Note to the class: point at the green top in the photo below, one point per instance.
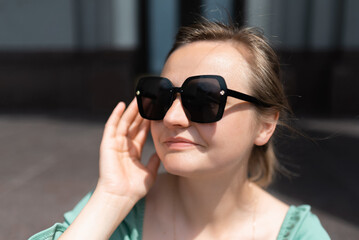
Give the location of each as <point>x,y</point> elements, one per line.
<point>299,223</point>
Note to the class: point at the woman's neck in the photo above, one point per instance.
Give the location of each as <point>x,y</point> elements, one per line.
<point>213,202</point>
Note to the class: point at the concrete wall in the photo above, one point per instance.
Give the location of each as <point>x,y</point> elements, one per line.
<point>36,24</point>
<point>307,24</point>
<point>68,24</point>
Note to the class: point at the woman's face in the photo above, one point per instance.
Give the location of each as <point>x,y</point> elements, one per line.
<point>193,149</point>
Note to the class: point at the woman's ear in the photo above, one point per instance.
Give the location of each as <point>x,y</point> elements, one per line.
<point>266,129</point>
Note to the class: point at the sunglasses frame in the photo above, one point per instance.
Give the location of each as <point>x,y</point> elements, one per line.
<point>224,93</point>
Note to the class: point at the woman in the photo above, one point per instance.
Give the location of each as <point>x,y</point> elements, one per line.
<point>212,114</point>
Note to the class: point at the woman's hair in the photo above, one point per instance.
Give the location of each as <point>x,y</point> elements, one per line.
<point>264,80</point>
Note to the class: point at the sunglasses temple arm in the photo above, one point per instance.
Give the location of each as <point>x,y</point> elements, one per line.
<point>246,97</point>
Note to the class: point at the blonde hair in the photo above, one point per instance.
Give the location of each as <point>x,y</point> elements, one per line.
<point>265,83</point>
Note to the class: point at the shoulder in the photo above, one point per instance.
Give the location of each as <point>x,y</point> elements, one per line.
<point>301,223</point>
<point>271,213</point>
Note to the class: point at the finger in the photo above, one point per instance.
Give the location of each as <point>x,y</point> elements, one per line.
<point>113,120</point>
<point>153,164</point>
<point>140,139</point>
<point>142,132</point>
<point>135,126</point>
<point>127,118</point>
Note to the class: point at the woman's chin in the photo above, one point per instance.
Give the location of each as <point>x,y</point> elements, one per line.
<point>188,170</point>
<point>179,168</point>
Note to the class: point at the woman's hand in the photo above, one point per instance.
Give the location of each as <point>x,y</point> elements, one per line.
<point>123,178</point>
<point>121,172</point>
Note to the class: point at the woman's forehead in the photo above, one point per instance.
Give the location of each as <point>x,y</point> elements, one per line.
<point>208,57</point>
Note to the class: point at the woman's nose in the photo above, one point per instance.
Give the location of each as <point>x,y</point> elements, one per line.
<point>175,116</point>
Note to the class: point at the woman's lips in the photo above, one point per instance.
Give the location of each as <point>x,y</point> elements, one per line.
<point>179,143</point>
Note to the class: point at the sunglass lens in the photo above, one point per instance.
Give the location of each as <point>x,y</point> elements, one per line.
<point>153,97</point>
<point>201,99</point>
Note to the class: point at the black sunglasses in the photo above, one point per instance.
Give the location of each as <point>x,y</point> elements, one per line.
<point>203,97</point>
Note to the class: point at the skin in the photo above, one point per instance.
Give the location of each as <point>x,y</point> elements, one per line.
<point>206,193</point>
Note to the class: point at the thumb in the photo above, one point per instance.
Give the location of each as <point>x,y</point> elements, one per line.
<point>153,164</point>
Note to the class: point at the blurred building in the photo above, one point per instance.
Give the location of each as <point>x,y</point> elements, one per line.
<point>84,55</point>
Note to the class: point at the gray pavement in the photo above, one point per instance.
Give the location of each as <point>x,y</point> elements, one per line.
<point>47,164</point>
